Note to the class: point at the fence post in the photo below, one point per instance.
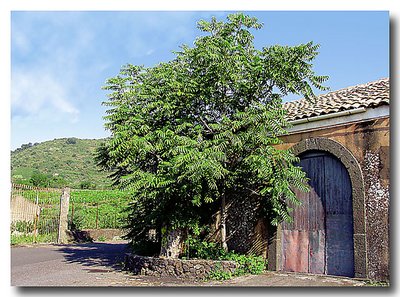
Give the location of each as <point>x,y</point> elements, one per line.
<point>97,215</point>
<point>63,222</point>
<point>36,220</point>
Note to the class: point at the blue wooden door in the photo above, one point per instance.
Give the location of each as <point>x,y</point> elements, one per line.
<point>320,238</point>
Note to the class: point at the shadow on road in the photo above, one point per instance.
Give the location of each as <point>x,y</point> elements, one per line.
<point>110,255</point>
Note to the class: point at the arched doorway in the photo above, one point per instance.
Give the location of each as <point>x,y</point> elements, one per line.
<point>320,238</point>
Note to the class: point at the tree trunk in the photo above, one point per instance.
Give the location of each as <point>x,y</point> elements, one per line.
<point>171,242</point>
<point>223,223</point>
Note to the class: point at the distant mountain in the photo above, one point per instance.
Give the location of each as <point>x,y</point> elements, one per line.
<point>59,162</point>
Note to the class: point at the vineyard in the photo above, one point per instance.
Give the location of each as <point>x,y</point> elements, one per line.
<point>92,209</point>
<point>35,212</point>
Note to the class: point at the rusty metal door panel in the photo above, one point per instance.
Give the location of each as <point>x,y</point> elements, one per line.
<point>299,214</point>
<point>317,252</point>
<point>295,250</point>
<point>304,240</point>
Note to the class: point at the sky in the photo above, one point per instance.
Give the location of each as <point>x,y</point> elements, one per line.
<point>60,60</point>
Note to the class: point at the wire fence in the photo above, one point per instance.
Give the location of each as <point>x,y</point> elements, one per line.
<point>35,214</point>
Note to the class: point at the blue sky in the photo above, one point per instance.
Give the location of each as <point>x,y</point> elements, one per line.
<point>60,60</point>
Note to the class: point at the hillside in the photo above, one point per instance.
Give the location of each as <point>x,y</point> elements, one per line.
<point>64,161</point>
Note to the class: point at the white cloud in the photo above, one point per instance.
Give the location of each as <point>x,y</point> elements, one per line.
<point>47,70</point>
<point>34,92</point>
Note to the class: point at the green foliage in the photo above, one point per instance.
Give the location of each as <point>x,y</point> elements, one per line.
<point>30,238</point>
<point>88,209</point>
<point>61,162</point>
<point>22,226</point>
<point>218,274</point>
<point>48,225</point>
<point>202,249</point>
<point>101,238</point>
<point>247,264</point>
<point>85,185</point>
<point>40,180</point>
<point>205,125</point>
<point>71,140</point>
<point>91,209</point>
<point>372,283</point>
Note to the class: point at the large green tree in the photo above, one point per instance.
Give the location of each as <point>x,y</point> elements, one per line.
<point>188,134</point>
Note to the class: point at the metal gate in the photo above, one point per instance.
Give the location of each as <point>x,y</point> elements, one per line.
<point>320,238</point>
<point>35,214</point>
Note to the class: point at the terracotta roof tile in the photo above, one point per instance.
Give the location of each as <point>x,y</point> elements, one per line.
<point>372,94</point>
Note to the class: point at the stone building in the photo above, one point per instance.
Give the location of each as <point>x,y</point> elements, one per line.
<point>342,226</point>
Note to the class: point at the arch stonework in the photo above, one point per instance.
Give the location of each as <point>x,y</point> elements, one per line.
<point>354,169</point>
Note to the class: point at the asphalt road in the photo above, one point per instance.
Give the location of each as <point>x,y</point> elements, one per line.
<point>79,265</point>
<point>92,264</point>
<point>100,265</point>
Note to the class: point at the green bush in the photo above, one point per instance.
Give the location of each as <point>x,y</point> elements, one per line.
<point>218,274</point>
<point>246,264</point>
<point>85,185</point>
<point>203,249</point>
<point>101,238</point>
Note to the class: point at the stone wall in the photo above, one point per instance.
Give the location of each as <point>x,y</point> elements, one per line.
<point>164,267</point>
<point>106,234</point>
<point>94,234</point>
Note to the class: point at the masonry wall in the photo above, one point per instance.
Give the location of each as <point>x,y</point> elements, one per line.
<point>369,143</point>
<point>164,267</point>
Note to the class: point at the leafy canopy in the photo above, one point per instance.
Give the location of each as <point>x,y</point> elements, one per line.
<point>203,125</point>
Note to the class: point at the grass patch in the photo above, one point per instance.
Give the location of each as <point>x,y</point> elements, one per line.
<point>372,283</point>
<point>30,238</point>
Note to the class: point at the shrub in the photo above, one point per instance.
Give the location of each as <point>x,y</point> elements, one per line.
<point>203,249</point>
<point>39,179</point>
<point>85,185</point>
<point>101,238</point>
<point>71,140</point>
<point>219,274</point>
<point>246,264</point>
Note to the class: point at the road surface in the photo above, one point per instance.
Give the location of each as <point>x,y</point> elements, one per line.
<point>100,265</point>
<point>91,264</point>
